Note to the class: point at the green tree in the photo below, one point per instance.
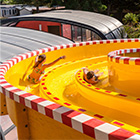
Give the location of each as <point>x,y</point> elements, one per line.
<point>119,6</point>
<point>87,5</point>
<point>130,19</point>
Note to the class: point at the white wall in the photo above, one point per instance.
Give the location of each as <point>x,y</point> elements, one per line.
<point>25,12</point>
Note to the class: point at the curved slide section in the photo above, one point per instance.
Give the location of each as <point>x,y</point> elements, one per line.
<point>114,109</point>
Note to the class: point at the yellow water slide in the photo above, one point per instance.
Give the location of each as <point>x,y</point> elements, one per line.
<point>114,101</point>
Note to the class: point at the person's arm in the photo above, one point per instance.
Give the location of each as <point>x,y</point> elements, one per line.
<point>36,58</point>
<point>55,61</point>
<point>85,71</point>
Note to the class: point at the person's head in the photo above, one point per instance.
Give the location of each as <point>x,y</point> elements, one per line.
<point>90,74</point>
<point>41,58</point>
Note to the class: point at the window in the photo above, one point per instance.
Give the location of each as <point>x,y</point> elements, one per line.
<point>86,35</point>
<point>109,36</point>
<point>4,12</point>
<point>9,12</point>
<point>13,11</point>
<point>95,36</point>
<point>66,29</point>
<point>76,33</point>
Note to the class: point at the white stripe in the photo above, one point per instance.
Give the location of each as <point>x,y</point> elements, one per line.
<point>78,120</point>
<point>11,88</point>
<point>39,50</point>
<point>17,94</point>
<point>70,45</point>
<point>3,65</point>
<point>2,73</point>
<point>90,42</point>
<point>134,50</point>
<point>11,63</point>
<point>41,106</point>
<point>5,84</point>
<point>102,131</point>
<point>77,44</point>
<point>128,50</point>
<point>29,99</point>
<point>132,61</point>
<point>15,61</point>
<point>134,137</point>
<point>57,113</point>
<point>64,46</point>
<point>29,54</point>
<point>2,80</point>
<point>97,42</point>
<point>19,58</point>
<point>84,43</point>
<point>2,69</point>
<point>24,56</point>
<point>46,49</point>
<point>52,48</point>
<point>58,47</point>
<point>7,93</point>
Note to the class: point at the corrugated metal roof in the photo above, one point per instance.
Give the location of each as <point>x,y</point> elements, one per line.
<point>16,41</point>
<point>101,22</point>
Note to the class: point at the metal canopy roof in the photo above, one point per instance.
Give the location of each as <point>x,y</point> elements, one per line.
<point>16,41</point>
<point>101,22</point>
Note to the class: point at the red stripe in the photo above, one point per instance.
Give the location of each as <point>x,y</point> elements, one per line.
<point>17,60</point>
<point>108,41</point>
<point>11,93</point>
<point>49,49</point>
<point>87,43</point>
<point>115,41</point>
<point>55,48</point>
<point>3,82</point>
<point>67,46</point>
<point>13,62</point>
<point>99,116</point>
<point>126,61</point>
<point>8,86</point>
<point>121,40</point>
<point>32,54</point>
<point>88,126</point>
<point>94,42</point>
<point>74,45</point>
<point>43,51</point>
<point>117,59</point>
<point>118,123</point>
<point>137,61</point>
<point>21,57</point>
<point>101,42</point>
<point>61,47</point>
<point>35,101</point>
<point>22,97</point>
<point>129,40</point>
<point>66,117</point>
<point>120,134</point>
<point>80,44</point>
<point>50,108</point>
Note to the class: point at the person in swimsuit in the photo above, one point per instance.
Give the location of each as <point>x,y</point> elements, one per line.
<point>91,76</point>
<point>39,67</point>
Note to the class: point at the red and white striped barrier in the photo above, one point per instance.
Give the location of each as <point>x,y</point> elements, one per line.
<point>88,125</point>
<point>114,56</point>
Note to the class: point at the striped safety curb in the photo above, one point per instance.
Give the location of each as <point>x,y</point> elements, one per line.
<point>88,125</point>
<point>114,56</point>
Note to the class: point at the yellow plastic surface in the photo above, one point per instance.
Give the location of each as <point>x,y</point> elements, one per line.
<point>61,85</point>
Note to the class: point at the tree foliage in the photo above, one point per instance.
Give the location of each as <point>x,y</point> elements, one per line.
<point>87,5</point>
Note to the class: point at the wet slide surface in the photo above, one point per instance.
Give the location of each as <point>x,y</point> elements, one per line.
<point>60,84</point>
